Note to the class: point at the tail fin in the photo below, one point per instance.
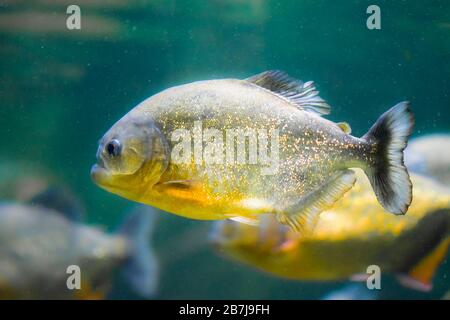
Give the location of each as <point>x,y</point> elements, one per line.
<point>141,269</point>
<point>387,172</point>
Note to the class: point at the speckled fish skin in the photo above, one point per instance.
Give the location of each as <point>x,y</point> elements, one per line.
<point>349,237</point>
<point>312,151</point>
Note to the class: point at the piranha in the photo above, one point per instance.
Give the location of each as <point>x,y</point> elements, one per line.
<point>235,149</point>
<point>353,235</point>
<point>38,244</point>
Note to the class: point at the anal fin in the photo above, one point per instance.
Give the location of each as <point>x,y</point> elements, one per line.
<point>183,190</point>
<point>303,215</point>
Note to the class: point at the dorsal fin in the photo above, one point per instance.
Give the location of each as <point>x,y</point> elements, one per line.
<point>303,95</point>
<point>61,200</point>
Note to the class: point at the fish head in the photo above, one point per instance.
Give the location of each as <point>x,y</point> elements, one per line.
<point>131,158</point>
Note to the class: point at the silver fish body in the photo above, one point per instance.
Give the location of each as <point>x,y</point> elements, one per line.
<point>305,156</point>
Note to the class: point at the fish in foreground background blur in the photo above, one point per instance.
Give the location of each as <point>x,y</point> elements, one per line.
<point>136,157</point>
<point>353,235</point>
<point>38,243</point>
<point>430,155</point>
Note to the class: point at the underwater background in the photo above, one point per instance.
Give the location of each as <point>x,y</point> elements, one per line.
<point>61,89</point>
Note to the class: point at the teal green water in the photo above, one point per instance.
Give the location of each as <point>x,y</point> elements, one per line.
<point>60,90</point>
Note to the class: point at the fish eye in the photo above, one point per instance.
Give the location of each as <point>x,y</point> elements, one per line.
<point>113,148</point>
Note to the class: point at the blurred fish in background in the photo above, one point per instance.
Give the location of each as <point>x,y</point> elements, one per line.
<point>426,226</point>
<point>39,240</point>
<point>353,235</point>
<point>430,155</point>
<point>352,291</point>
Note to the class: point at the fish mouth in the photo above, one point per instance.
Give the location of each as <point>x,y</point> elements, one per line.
<point>99,174</point>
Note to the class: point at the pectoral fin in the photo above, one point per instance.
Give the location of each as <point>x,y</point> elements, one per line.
<point>178,184</point>
<point>182,189</point>
<point>303,215</point>
<point>420,277</point>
